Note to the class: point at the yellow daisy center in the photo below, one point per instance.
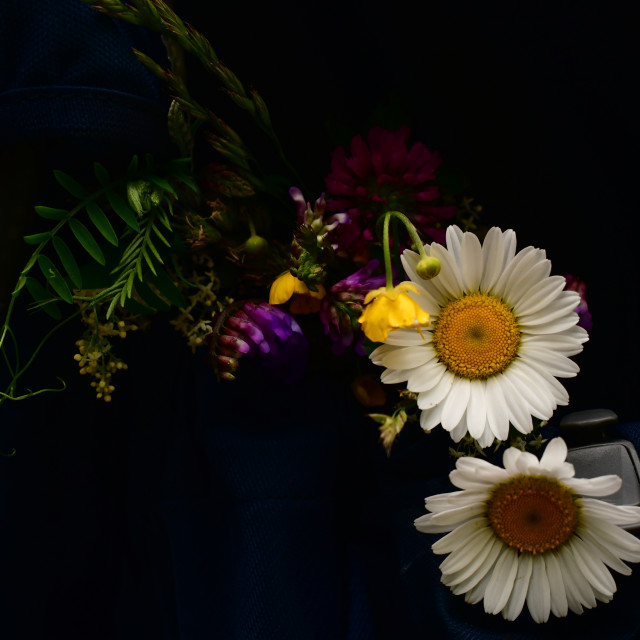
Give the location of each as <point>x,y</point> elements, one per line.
<point>533,513</point>
<point>476,336</point>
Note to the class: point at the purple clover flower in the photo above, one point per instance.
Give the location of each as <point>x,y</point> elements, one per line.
<point>262,333</point>
<point>343,305</point>
<point>575,284</point>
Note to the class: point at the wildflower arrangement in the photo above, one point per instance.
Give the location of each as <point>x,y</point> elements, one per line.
<point>380,267</point>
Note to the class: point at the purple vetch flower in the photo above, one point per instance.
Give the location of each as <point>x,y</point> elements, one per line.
<point>262,333</point>
<point>315,218</point>
<point>575,284</point>
<point>343,305</point>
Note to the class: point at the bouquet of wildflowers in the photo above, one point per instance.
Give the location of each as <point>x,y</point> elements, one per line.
<point>379,267</point>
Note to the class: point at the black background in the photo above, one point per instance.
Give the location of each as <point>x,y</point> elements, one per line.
<point>534,103</point>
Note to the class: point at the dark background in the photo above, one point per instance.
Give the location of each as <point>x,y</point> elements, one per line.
<point>534,103</point>
<point>162,502</point>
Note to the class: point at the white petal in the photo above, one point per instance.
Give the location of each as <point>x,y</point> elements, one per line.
<point>558,592</point>
<point>430,418</point>
<point>616,514</point>
<point>604,552</point>
<point>557,325</point>
<point>454,237</point>
<point>471,267</point>
<point>494,258</point>
<point>497,414</point>
<point>404,357</point>
<point>565,305</point>
<point>458,536</point>
<point>539,594</point>
<point>502,580</point>
<point>519,416</point>
<point>465,560</point>
<point>449,279</point>
<point>592,568</point>
<point>520,263</point>
<point>539,296</point>
<point>568,342</point>
<point>432,397</point>
<point>455,404</point>
<point>575,580</point>
<point>410,260</point>
<point>554,363</point>
<point>520,587</point>
<point>424,525</point>
<point>532,389</point>
<point>554,455</point>
<point>520,285</point>
<point>600,486</point>
<point>426,376</point>
<point>477,408</point>
<point>406,338</point>
<point>459,514</point>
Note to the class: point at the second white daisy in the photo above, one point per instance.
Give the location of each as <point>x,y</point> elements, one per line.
<point>523,533</point>
<point>502,331</point>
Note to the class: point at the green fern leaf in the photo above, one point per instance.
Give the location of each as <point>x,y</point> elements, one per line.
<point>50,213</point>
<point>37,238</point>
<point>68,261</point>
<point>148,260</point>
<point>84,237</point>
<point>43,298</point>
<point>101,222</point>
<point>102,174</point>
<point>70,184</point>
<point>55,279</point>
<point>120,206</point>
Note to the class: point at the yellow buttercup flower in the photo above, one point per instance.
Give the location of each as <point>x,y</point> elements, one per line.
<point>390,309</point>
<point>284,286</point>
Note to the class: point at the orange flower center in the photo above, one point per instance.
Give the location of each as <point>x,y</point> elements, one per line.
<point>476,336</point>
<point>533,513</point>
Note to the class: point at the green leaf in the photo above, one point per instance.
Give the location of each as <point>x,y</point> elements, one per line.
<point>167,287</point>
<point>55,279</point>
<point>85,238</point>
<point>101,222</point>
<point>120,206</point>
<point>163,184</point>
<point>149,261</point>
<point>102,174</point>
<point>37,238</point>
<point>70,184</point>
<point>68,261</point>
<point>40,295</point>
<point>50,213</point>
<point>22,280</point>
<point>164,240</point>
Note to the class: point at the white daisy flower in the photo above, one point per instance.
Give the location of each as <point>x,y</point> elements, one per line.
<point>522,533</point>
<point>502,330</point>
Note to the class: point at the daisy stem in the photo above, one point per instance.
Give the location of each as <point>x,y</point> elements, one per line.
<point>413,234</point>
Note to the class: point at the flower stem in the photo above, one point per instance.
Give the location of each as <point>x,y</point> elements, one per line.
<point>413,234</point>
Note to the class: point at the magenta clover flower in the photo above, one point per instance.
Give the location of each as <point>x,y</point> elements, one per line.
<point>380,175</point>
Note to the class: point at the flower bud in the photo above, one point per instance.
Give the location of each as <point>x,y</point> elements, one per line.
<point>256,245</point>
<point>428,268</point>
